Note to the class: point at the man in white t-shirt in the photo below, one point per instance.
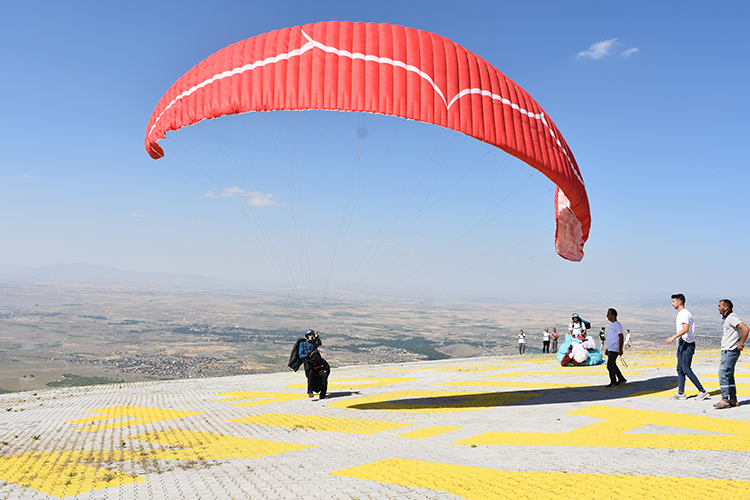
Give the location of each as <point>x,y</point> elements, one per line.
<point>685,349</point>
<point>614,349</point>
<point>545,341</point>
<point>732,342</point>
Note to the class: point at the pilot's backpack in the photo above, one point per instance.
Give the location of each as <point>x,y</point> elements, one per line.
<point>294,360</point>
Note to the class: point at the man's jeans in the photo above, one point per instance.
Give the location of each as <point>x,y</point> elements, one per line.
<point>615,375</point>
<point>726,374</point>
<point>685,352</point>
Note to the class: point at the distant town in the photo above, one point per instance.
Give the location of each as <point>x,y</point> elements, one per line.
<point>56,335</point>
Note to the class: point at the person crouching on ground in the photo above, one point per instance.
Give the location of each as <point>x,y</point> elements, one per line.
<point>732,343</point>
<point>615,341</point>
<point>316,368</point>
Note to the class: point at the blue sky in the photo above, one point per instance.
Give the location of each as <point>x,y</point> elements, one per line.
<point>650,96</point>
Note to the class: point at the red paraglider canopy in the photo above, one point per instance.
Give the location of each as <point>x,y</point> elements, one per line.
<point>386,69</point>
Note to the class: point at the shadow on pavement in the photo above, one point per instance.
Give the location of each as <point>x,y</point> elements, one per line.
<point>341,394</point>
<point>596,393</point>
<point>527,397</point>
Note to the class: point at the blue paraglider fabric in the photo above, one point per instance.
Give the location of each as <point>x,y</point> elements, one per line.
<point>596,357</point>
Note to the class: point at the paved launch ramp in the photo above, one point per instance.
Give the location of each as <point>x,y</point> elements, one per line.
<point>482,428</point>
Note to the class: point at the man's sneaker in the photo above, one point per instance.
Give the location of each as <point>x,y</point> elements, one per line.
<point>310,395</point>
<point>679,396</point>
<point>702,395</point>
<point>622,382</point>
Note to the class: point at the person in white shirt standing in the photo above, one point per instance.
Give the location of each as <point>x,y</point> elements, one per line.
<point>685,349</point>
<point>614,349</point>
<point>545,341</point>
<point>732,343</point>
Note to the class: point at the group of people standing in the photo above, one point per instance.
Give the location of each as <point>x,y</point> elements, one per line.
<point>547,339</point>
<point>734,336</point>
<point>615,340</point>
<point>576,328</point>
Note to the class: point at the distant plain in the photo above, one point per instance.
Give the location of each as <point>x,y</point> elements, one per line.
<point>57,334</point>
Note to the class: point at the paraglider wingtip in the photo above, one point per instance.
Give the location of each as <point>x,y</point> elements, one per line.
<point>155,151</point>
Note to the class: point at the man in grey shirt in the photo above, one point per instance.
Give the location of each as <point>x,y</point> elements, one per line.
<point>732,343</point>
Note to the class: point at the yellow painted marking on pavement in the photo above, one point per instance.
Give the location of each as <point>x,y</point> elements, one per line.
<point>612,432</point>
<point>327,424</point>
<point>435,430</point>
<point>351,383</point>
<point>60,473</point>
<point>264,397</point>
<point>570,371</point>
<point>432,401</point>
<point>513,385</point>
<point>665,364</point>
<point>712,390</point>
<point>662,361</point>
<point>136,415</point>
<point>480,483</point>
<point>671,357</point>
<point>576,370</point>
<point>65,473</point>
<point>194,445</point>
<point>469,368</point>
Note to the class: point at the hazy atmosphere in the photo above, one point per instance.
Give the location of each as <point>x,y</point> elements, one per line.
<point>649,96</point>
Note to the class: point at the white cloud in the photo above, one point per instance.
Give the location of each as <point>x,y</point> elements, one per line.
<point>140,216</point>
<point>254,198</point>
<point>599,50</point>
<point>262,200</point>
<point>227,193</point>
<point>630,52</point>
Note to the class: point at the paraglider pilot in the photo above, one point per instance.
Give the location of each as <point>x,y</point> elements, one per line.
<point>316,368</point>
